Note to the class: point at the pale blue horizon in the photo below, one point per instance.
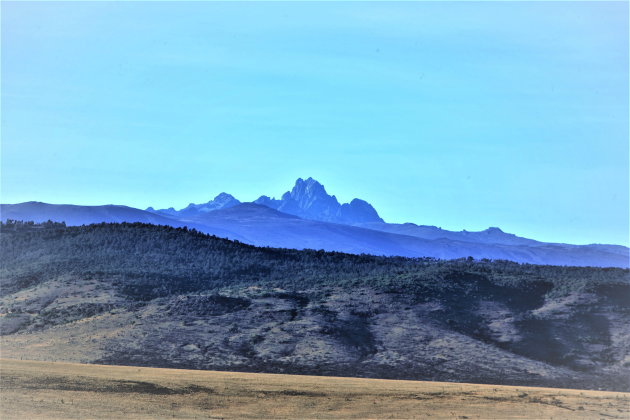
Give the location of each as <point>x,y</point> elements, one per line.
<point>460,115</point>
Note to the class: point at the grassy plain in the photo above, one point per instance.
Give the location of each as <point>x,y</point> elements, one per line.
<point>53,390</point>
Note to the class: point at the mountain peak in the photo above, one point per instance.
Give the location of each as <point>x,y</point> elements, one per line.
<point>310,187</point>
<point>222,197</point>
<point>308,199</point>
<point>221,201</point>
<point>494,230</point>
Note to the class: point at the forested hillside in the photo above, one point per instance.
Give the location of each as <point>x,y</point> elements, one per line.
<point>155,295</point>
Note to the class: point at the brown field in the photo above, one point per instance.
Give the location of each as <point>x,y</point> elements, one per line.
<point>38,390</point>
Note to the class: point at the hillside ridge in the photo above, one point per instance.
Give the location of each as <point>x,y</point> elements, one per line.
<point>146,295</point>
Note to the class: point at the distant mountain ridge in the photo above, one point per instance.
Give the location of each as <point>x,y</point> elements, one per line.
<point>221,201</point>
<point>74,215</point>
<point>308,217</point>
<point>308,199</point>
<point>492,235</point>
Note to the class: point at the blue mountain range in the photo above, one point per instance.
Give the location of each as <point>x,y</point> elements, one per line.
<point>308,217</point>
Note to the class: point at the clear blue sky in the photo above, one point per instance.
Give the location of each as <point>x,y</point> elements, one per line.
<point>460,115</point>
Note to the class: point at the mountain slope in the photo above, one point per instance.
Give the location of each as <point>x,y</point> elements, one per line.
<point>491,235</point>
<point>79,215</point>
<point>263,226</point>
<point>84,215</point>
<point>221,201</point>
<point>157,296</point>
<point>309,200</point>
<point>496,236</point>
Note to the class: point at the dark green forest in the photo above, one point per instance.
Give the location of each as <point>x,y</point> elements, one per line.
<point>147,261</point>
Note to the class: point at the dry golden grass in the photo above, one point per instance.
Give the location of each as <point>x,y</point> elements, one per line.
<point>38,390</point>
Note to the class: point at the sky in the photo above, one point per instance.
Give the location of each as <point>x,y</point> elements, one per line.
<point>459,115</point>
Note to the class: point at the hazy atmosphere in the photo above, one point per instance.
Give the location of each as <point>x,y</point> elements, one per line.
<point>462,116</point>
<point>315,210</point>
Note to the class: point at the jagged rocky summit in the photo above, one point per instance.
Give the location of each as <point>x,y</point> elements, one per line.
<point>309,200</point>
